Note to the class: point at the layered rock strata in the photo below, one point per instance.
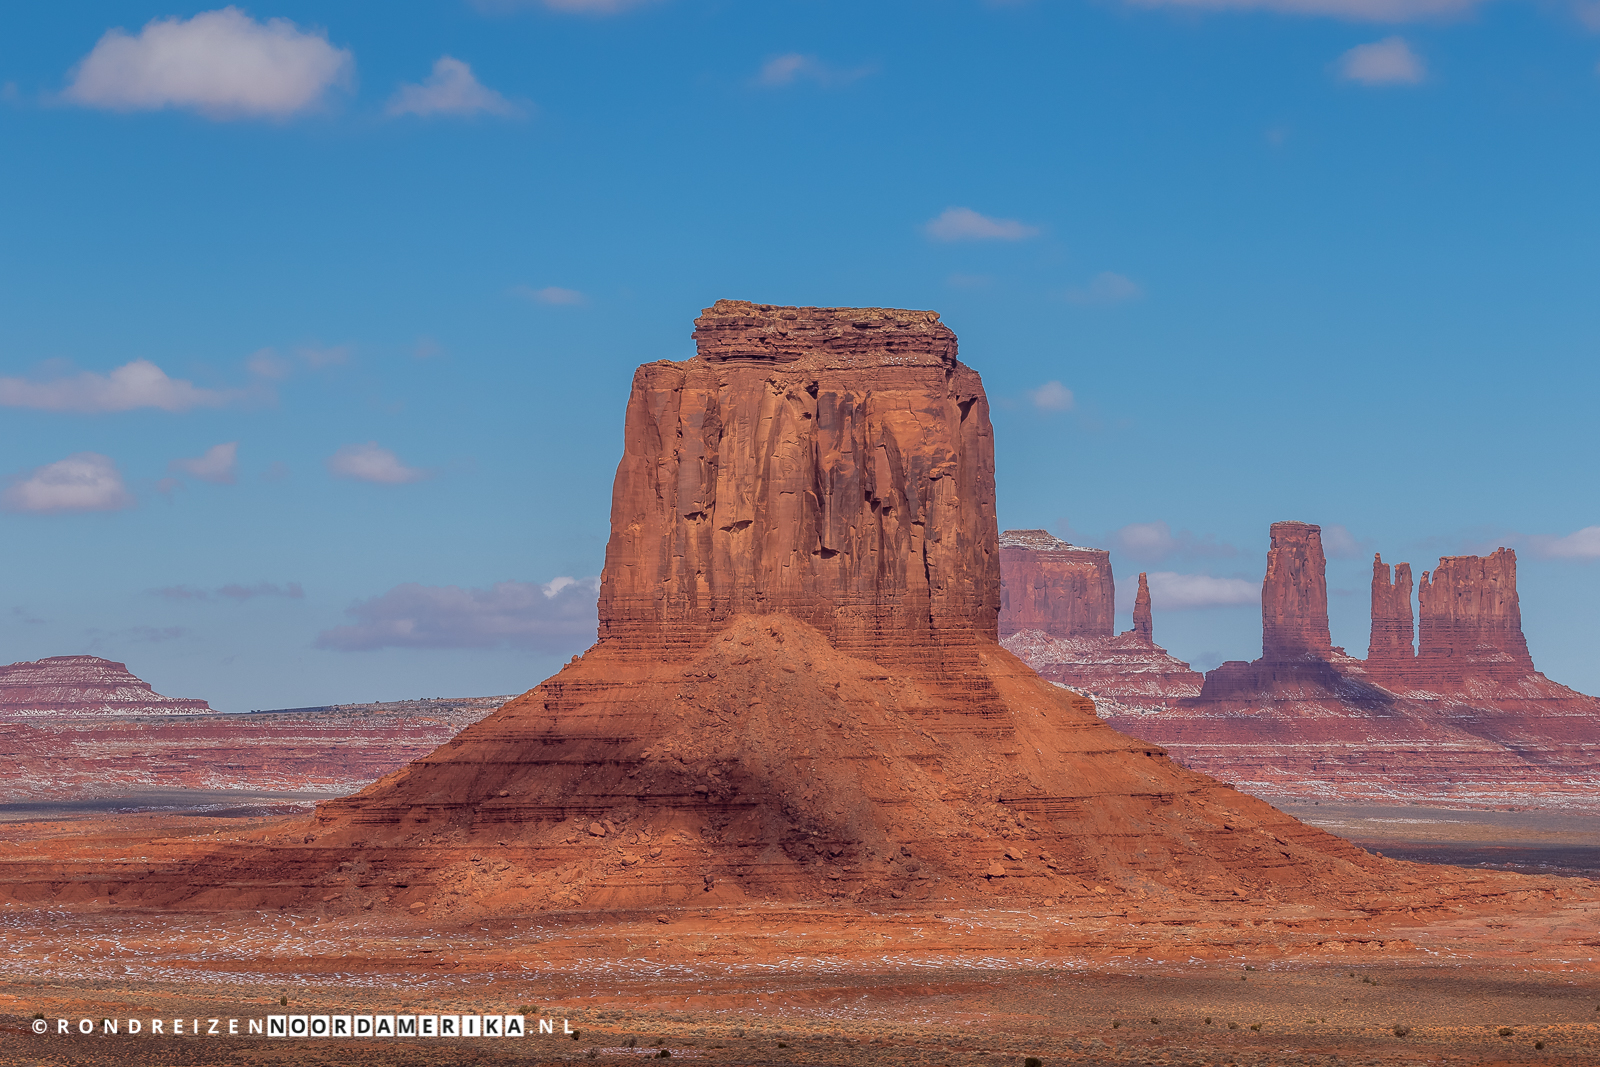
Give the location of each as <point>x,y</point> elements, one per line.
<point>83,685</point>
<point>1294,595</point>
<point>1393,643</point>
<point>797,690</point>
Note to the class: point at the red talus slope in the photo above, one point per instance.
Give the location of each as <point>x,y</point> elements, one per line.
<point>83,685</point>
<point>797,691</point>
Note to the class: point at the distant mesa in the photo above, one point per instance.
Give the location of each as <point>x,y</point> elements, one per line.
<point>1058,607</point>
<point>797,690</point>
<point>83,685</point>
<point>1460,716</point>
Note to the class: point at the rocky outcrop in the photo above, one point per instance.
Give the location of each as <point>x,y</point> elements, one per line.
<point>1294,595</point>
<point>1054,587</point>
<point>1392,648</point>
<point>1057,614</point>
<point>83,685</point>
<point>835,465</point>
<point>796,692</point>
<point>1471,621</point>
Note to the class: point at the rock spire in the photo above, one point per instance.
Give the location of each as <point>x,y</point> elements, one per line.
<point>1391,647</point>
<point>1471,621</point>
<point>1054,587</point>
<point>1294,594</point>
<point>1143,625</point>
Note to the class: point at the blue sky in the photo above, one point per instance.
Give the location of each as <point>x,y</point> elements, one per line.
<point>317,320</point>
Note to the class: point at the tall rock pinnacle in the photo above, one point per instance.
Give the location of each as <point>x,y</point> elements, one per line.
<point>1055,588</point>
<point>1143,625</point>
<point>1391,647</point>
<point>1294,595</point>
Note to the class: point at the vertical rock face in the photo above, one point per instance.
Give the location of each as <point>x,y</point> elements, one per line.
<point>1391,647</point>
<point>1143,624</point>
<point>1471,621</point>
<point>1055,588</point>
<point>1294,595</point>
<point>84,685</point>
<point>831,464</point>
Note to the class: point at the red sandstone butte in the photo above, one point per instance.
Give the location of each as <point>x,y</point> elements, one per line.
<point>83,685</point>
<point>1466,719</point>
<point>1054,587</point>
<point>1057,614</point>
<point>796,692</point>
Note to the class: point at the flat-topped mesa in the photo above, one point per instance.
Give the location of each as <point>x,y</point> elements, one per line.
<point>1471,622</point>
<point>1054,587</point>
<point>1143,624</point>
<point>84,685</point>
<point>831,464</point>
<point>1294,595</point>
<point>1391,652</point>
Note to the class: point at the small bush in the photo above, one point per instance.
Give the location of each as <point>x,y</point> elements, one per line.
<point>284,1000</point>
<point>1539,1045</point>
<point>664,1054</point>
<point>1401,1030</point>
<point>575,1034</point>
<point>1208,1020</point>
<point>1233,1026</point>
<point>1504,1031</point>
<point>1116,1024</point>
<point>1256,1027</point>
<point>1033,1061</point>
<point>1153,1019</point>
<point>783,1044</point>
<point>527,1009</point>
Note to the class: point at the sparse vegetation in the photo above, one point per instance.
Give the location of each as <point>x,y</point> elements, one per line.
<point>575,1034</point>
<point>1032,1061</point>
<point>1233,1026</point>
<point>284,1000</point>
<point>1504,1031</point>
<point>1256,1027</point>
<point>1401,1030</point>
<point>1116,1024</point>
<point>527,1009</point>
<point>1208,1020</point>
<point>1539,1045</point>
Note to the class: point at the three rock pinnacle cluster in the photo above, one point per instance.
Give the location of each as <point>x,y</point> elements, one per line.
<point>1462,715</point>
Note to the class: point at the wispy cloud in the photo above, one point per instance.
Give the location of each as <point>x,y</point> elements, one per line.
<point>140,384</point>
<point>1153,542</point>
<point>223,64</point>
<point>793,67</point>
<point>1581,544</point>
<point>370,463</point>
<point>1339,543</point>
<point>553,616</point>
<point>86,481</point>
<point>1349,10</point>
<point>965,224</point>
<point>1387,62</point>
<point>1107,287</point>
<point>1052,396</point>
<point>1170,591</point>
<point>452,89</point>
<point>550,294</point>
<point>217,464</point>
<point>570,7</point>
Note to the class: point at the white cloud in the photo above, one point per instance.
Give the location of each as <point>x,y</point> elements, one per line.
<point>795,66</point>
<point>550,294</point>
<point>1107,287</point>
<point>369,463</point>
<point>450,90</point>
<point>1350,10</point>
<point>1170,591</point>
<point>265,363</point>
<point>140,384</point>
<point>1339,543</point>
<point>1152,542</point>
<point>1583,544</point>
<point>560,615</point>
<point>964,224</point>
<point>320,356</point>
<point>1052,396</point>
<point>1387,62</point>
<point>217,464</point>
<point>223,64</point>
<point>86,481</point>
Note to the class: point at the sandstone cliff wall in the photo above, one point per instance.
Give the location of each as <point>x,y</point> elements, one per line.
<point>1054,587</point>
<point>830,464</point>
<point>1471,621</point>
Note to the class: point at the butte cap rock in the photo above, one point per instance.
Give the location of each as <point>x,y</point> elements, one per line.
<point>83,685</point>
<point>797,691</point>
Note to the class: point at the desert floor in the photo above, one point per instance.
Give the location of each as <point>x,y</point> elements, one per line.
<point>1128,983</point>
